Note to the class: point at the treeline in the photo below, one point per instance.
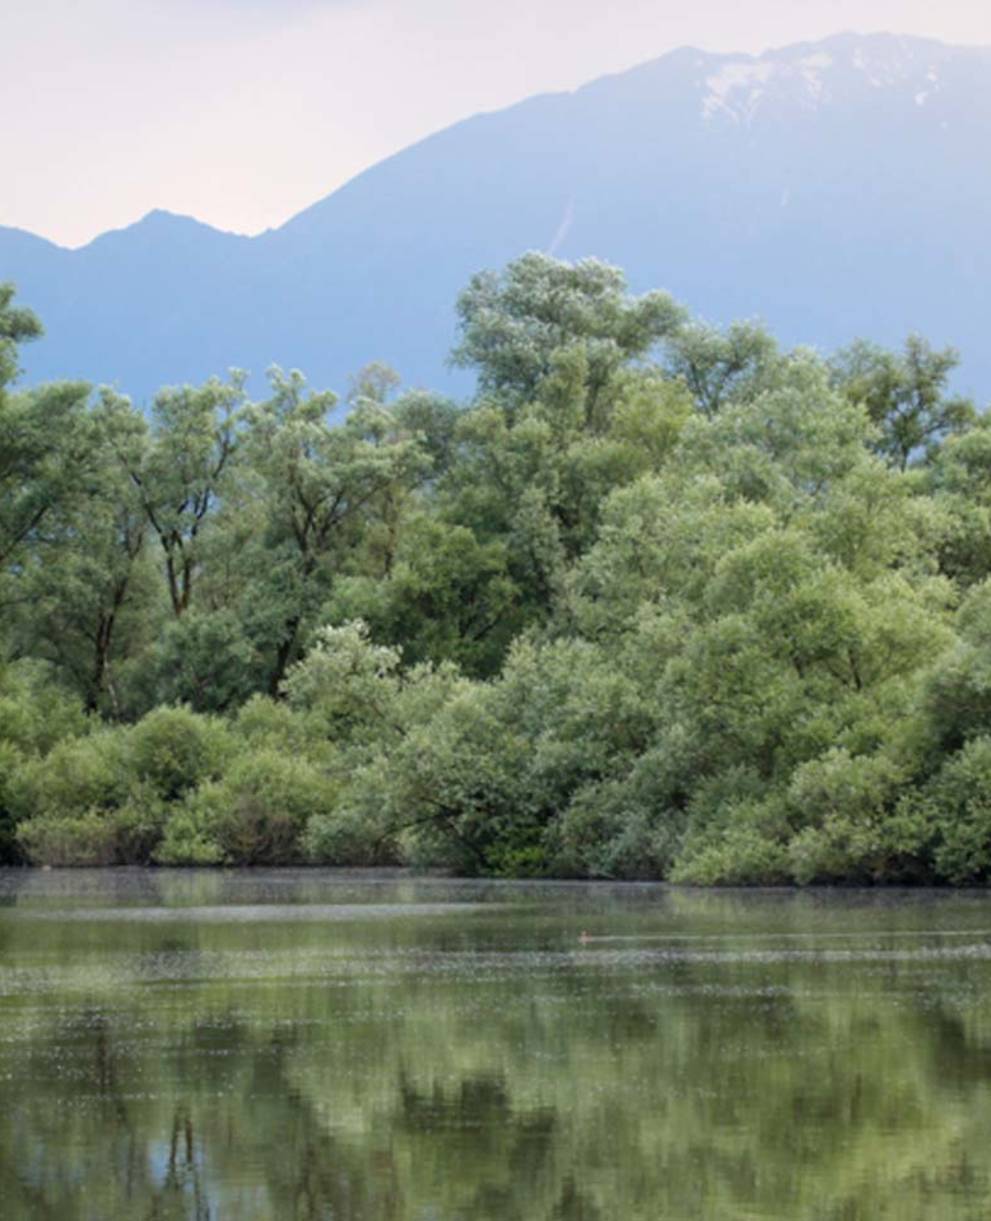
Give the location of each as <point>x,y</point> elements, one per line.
<point>662,600</point>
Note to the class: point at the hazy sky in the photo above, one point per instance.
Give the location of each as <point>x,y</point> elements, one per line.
<point>241,112</point>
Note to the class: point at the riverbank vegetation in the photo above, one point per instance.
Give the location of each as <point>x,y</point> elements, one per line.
<point>661,600</point>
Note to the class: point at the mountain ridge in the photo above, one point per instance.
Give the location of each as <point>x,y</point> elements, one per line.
<point>685,51</point>
<point>784,185</point>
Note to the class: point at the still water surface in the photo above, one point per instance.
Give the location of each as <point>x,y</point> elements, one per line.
<point>369,1047</point>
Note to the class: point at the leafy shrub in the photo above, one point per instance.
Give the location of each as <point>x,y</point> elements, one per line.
<point>951,816</point>
<point>744,848</point>
<point>741,856</point>
<point>845,803</point>
<point>255,814</point>
<point>347,838</point>
<point>623,828</point>
<point>189,837</point>
<point>62,839</point>
<point>124,836</point>
<point>90,773</point>
<point>347,683</point>
<point>173,749</point>
<point>103,798</point>
<point>265,723</point>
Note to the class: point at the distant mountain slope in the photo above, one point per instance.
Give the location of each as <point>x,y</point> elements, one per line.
<point>833,189</point>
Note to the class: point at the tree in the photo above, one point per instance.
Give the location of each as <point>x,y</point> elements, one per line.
<point>178,468</point>
<point>46,455</point>
<point>515,324</point>
<point>719,366</point>
<point>314,487</point>
<point>44,442</point>
<point>447,597</point>
<point>905,394</point>
<point>17,325</point>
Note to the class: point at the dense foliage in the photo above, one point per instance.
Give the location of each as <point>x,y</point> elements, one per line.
<point>663,600</point>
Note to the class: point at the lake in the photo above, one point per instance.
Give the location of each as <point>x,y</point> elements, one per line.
<point>351,1045</point>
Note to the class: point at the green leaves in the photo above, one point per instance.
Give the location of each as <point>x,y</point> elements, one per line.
<point>17,326</point>
<point>520,326</point>
<point>905,394</point>
<point>695,618</point>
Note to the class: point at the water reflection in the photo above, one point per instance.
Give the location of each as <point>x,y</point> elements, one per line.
<point>724,1055</point>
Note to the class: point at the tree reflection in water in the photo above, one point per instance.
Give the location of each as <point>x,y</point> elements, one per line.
<point>710,1056</point>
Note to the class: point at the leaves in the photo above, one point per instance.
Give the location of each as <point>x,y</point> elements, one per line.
<point>662,599</point>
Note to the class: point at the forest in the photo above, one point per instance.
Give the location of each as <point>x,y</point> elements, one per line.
<point>661,600</point>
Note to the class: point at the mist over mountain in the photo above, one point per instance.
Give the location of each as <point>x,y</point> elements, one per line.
<point>832,189</point>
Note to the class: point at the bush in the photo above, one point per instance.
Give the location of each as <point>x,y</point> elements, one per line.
<point>845,803</point>
<point>255,814</point>
<point>626,828</point>
<point>741,856</point>
<point>103,798</point>
<point>347,838</point>
<point>90,773</point>
<point>745,848</point>
<point>264,723</point>
<point>62,839</point>
<point>125,836</point>
<point>173,750</point>
<point>189,837</point>
<point>951,816</point>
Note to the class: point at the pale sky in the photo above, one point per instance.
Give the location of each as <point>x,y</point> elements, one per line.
<point>242,112</point>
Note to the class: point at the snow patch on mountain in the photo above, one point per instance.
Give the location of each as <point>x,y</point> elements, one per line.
<point>808,77</point>
<point>738,88</point>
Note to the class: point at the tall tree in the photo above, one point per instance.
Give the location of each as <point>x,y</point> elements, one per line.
<point>315,486</point>
<point>17,326</point>
<point>45,442</point>
<point>906,394</point>
<point>718,366</point>
<point>515,324</point>
<point>178,469</point>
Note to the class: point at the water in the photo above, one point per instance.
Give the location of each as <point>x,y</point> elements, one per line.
<point>283,1044</point>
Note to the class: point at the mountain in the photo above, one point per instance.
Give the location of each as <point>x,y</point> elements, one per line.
<point>832,189</point>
